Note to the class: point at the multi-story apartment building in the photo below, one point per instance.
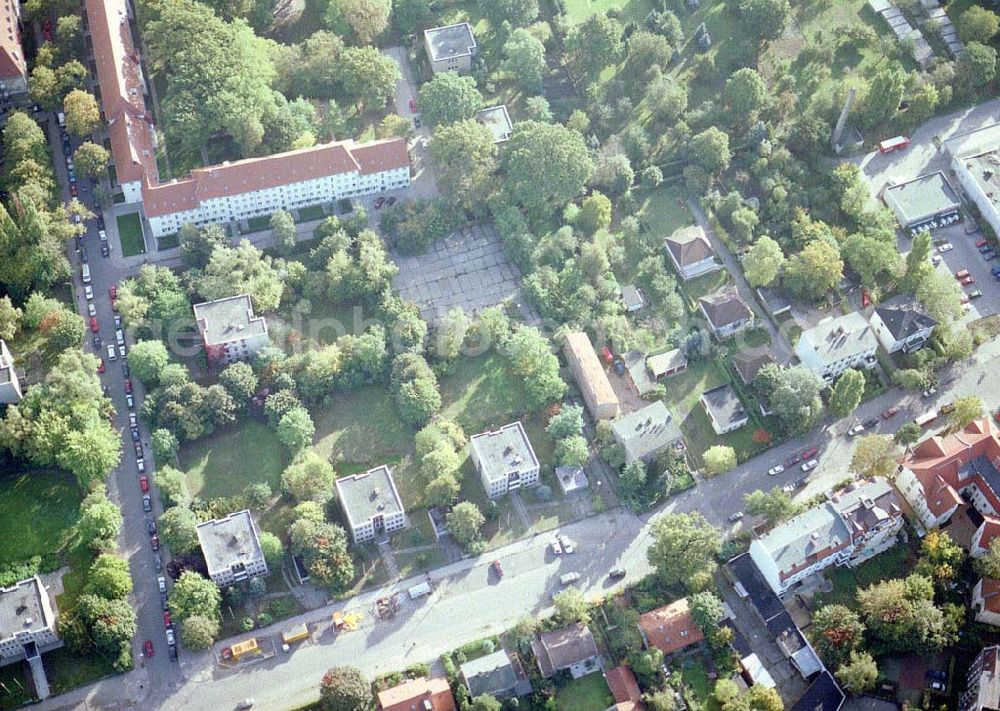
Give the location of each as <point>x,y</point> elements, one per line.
<point>231,547</point>
<point>982,686</point>
<point>836,345</point>
<point>27,621</point>
<point>229,330</point>
<point>856,523</point>
<point>371,503</point>
<point>13,68</point>
<point>10,386</point>
<point>504,459</point>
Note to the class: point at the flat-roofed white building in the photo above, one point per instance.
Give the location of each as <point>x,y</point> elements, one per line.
<point>371,503</point>
<point>231,547</point>
<point>27,621</point>
<point>450,48</point>
<point>504,459</point>
<point>229,329</point>
<point>10,387</point>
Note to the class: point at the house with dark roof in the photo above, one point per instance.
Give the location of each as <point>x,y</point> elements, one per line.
<point>670,628</point>
<point>942,473</point>
<point>982,682</point>
<point>748,363</point>
<point>901,329</point>
<point>774,300</point>
<point>569,648</point>
<point>229,329</point>
<point>421,694</point>
<point>495,674</point>
<point>646,432</point>
<point>822,694</point>
<point>724,409</point>
<point>726,312</point>
<point>624,689</point>
<point>854,524</point>
<point>691,252</point>
<point>986,601</point>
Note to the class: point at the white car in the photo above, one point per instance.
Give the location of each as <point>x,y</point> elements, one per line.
<point>111,353</point>
<point>91,309</point>
<point>857,429</point>
<point>567,544</point>
<point>556,546</point>
<point>810,465</point>
<point>103,235</point>
<point>161,583</point>
<point>88,291</point>
<point>121,350</point>
<point>935,259</point>
<point>245,704</point>
<point>775,470</point>
<point>141,464</point>
<point>945,247</point>
<point>171,640</point>
<point>736,517</point>
<point>788,488</point>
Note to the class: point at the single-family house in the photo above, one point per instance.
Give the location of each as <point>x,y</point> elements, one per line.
<point>231,548</point>
<point>450,48</point>
<point>670,628</point>
<point>10,386</point>
<point>229,329</point>
<point>724,409</point>
<point>569,648</point>
<point>496,674</point>
<point>901,329</point>
<point>986,601</point>
<point>726,313</point>
<point>853,525</point>
<point>600,397</point>
<point>836,345</point>
<point>822,694</point>
<point>372,505</point>
<point>691,252</point>
<point>646,432</point>
<point>504,459</point>
<point>624,689</point>
<point>420,694</point>
<point>748,363</point>
<point>982,682</point>
<point>632,298</point>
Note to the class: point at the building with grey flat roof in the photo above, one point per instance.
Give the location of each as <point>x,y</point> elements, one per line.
<point>925,202</point>
<point>979,178</point>
<point>27,621</point>
<point>10,386</point>
<point>450,48</point>
<point>229,330</point>
<point>498,121</point>
<point>231,547</point>
<point>504,459</point>
<point>371,503</point>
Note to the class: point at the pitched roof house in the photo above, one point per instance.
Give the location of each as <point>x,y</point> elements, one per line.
<point>494,674</point>
<point>624,689</point>
<point>748,363</point>
<point>726,312</point>
<point>646,432</point>
<point>601,399</point>
<point>836,345</point>
<point>986,601</point>
<point>670,628</point>
<point>934,473</point>
<point>571,648</point>
<point>901,329</point>
<point>724,409</point>
<point>420,694</point>
<point>691,252</point>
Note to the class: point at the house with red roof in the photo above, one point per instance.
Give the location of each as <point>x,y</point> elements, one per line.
<point>421,694</point>
<point>943,473</point>
<point>624,689</point>
<point>670,628</point>
<point>13,68</point>
<point>986,601</point>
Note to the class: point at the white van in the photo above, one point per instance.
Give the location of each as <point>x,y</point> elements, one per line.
<point>569,578</point>
<point>85,272</point>
<point>418,591</point>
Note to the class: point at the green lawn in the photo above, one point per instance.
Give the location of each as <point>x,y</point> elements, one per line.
<point>481,392</point>
<point>223,464</point>
<point>130,234</point>
<point>894,563</point>
<point>700,436</point>
<point>67,671</point>
<point>662,209</point>
<point>37,514</point>
<point>684,390</point>
<point>13,686</point>
<point>578,11</point>
<point>588,693</point>
<point>361,427</point>
<point>698,685</point>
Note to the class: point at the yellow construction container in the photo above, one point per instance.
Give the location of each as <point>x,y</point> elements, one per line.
<point>243,649</point>
<point>295,634</point>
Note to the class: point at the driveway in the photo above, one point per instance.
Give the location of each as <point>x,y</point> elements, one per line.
<point>423,183</point>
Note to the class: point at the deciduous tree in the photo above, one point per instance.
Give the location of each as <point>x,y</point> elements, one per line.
<point>308,478</point>
<point>465,158</point>
<point>814,271</point>
<point>846,394</point>
<point>683,549</point>
<point>91,159</point>
<point>449,97</point>
<point>719,458</point>
<point>875,455</point>
<point>836,632</point>
<point>345,689</point>
<point>571,606</point>
<point>178,529</point>
<point>763,262</point>
<point>109,577</point>
<point>859,673</point>
<point>465,522</point>
<point>773,506</point>
<point>977,24</point>
<point>524,59</point>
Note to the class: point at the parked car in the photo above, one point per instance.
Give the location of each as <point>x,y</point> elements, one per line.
<point>144,484</point>
<point>981,243</point>
<point>112,353</point>
<point>172,653</point>
<point>968,280</point>
<point>122,351</point>
<point>733,518</point>
<point>567,544</point>
<point>158,562</point>
<point>147,648</point>
<point>413,106</point>
<point>133,421</point>
<point>161,583</point>
<point>91,309</point>
<point>935,260</point>
<point>616,573</point>
<point>167,622</point>
<point>975,293</point>
<point>105,252</point>
<point>776,469</point>
<point>113,292</point>
<point>856,430</point>
<point>937,686</point>
<point>788,488</point>
<point>96,340</point>
<point>154,542</point>
<point>961,274</point>
<point>94,326</point>
<point>810,465</point>
<point>984,249</point>
<point>163,601</point>
<point>88,292</point>
<point>945,247</point>
<point>128,386</point>
<point>379,201</point>
<point>937,675</point>
<point>147,503</point>
<point>890,413</point>
<point>245,704</point>
<point>391,200</point>
<point>129,401</point>
<point>170,638</point>
<point>870,422</point>
<point>793,460</point>
<point>100,364</point>
<point>72,189</point>
<point>556,546</point>
<point>947,408</point>
<point>118,321</point>
<point>810,453</point>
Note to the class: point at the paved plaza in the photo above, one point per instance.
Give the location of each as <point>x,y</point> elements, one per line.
<point>466,269</point>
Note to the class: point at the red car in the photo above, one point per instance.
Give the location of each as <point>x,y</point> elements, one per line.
<point>148,648</point>
<point>607,355</point>
<point>891,412</point>
<point>982,243</point>
<point>961,274</point>
<point>144,484</point>
<point>378,202</point>
<point>413,106</point>
<point>100,366</point>
<point>809,454</point>
<point>128,386</point>
<point>72,189</point>
<point>166,619</point>
<point>93,324</point>
<point>113,292</point>
<point>969,279</point>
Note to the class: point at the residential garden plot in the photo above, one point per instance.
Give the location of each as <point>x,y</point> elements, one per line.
<point>894,563</point>
<point>225,463</point>
<point>37,514</point>
<point>130,234</point>
<point>663,209</point>
<point>588,693</point>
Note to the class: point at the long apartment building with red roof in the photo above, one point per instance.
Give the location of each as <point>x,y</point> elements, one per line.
<point>943,473</point>
<point>230,191</point>
<point>13,67</point>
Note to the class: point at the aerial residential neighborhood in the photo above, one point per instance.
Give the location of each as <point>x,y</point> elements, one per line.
<point>482,355</point>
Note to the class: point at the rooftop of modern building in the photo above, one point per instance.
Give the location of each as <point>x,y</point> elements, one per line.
<point>229,541</point>
<point>497,120</point>
<point>450,41</point>
<point>921,197</point>
<point>228,319</point>
<point>504,450</point>
<point>369,494</point>
<point>24,606</point>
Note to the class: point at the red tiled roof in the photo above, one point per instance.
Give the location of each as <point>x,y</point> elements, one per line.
<point>937,461</point>
<point>624,687</point>
<point>11,53</point>
<point>670,628</point>
<point>991,595</point>
<point>252,174</point>
<point>410,695</point>
<point>120,79</point>
<point>990,528</point>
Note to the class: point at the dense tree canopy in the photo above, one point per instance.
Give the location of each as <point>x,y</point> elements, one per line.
<point>449,97</point>
<point>683,549</point>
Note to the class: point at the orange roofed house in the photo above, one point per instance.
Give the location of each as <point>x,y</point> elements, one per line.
<point>13,69</point>
<point>624,689</point>
<point>670,628</point>
<point>943,473</point>
<point>230,191</point>
<point>420,694</point>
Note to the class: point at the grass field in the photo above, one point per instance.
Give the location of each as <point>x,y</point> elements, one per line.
<point>361,427</point>
<point>130,234</point>
<point>223,464</point>
<point>578,11</point>
<point>698,685</point>
<point>847,581</point>
<point>37,514</point>
<point>662,209</point>
<point>588,693</point>
<point>481,392</point>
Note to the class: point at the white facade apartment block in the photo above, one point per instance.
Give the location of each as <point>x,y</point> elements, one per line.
<point>26,617</point>
<point>504,459</point>
<point>10,387</point>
